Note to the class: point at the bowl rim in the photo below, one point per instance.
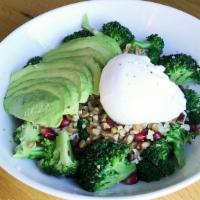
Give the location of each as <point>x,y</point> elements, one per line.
<point>57,193</point>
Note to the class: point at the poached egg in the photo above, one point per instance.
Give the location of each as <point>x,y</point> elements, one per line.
<point>135,91</point>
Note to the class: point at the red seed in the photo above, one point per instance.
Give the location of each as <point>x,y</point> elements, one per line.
<point>193,128</point>
<point>132,179</point>
<point>157,136</point>
<point>65,122</point>
<point>48,133</point>
<point>181,117</point>
<point>75,145</point>
<point>75,142</point>
<point>110,122</point>
<point>141,136</point>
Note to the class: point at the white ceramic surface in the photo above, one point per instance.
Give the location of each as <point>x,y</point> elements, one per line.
<point>181,34</point>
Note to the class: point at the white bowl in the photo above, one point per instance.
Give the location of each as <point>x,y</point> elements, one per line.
<point>181,34</point>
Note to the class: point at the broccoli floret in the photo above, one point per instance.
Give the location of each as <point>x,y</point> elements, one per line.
<point>27,137</point>
<point>78,34</point>
<point>158,152</point>
<point>149,172</point>
<point>192,106</point>
<point>157,162</point>
<point>104,164</point>
<point>33,61</point>
<point>121,34</point>
<point>58,157</point>
<point>178,138</point>
<point>152,47</point>
<point>180,68</point>
<point>82,128</point>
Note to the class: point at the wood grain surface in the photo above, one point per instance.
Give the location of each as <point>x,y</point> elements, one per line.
<point>13,13</point>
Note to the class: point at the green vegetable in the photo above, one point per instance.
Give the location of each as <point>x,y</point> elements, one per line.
<point>34,60</point>
<point>104,164</point>
<point>180,68</point>
<point>78,34</point>
<point>82,127</point>
<point>157,162</point>
<point>120,33</point>
<point>152,47</point>
<point>86,25</point>
<point>158,152</point>
<point>27,137</point>
<point>192,106</point>
<point>149,172</point>
<point>58,156</point>
<point>178,138</point>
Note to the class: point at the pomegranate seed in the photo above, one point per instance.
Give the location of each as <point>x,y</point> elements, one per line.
<point>181,117</point>
<point>132,179</point>
<point>193,128</point>
<point>157,136</point>
<point>75,142</point>
<point>75,145</point>
<point>65,122</point>
<point>110,122</point>
<point>141,136</point>
<point>48,133</point>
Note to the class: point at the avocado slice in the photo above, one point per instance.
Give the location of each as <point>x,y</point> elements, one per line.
<point>92,66</point>
<point>106,46</point>
<point>79,52</point>
<point>38,72</point>
<point>39,107</point>
<point>67,88</point>
<point>72,64</point>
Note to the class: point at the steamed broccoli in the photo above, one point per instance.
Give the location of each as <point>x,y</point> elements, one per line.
<point>81,125</point>
<point>152,47</point>
<point>192,106</point>
<point>178,138</point>
<point>27,137</point>
<point>78,34</point>
<point>121,34</point>
<point>58,156</point>
<point>180,68</point>
<point>158,152</point>
<point>157,162</point>
<point>33,61</point>
<point>104,164</point>
<point>149,172</point>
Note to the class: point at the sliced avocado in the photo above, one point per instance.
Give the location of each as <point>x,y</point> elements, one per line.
<point>38,106</point>
<point>38,72</point>
<point>72,64</point>
<point>62,86</point>
<point>79,52</point>
<point>92,66</point>
<point>106,46</point>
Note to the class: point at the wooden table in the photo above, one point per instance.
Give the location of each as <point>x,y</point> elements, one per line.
<point>14,13</point>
